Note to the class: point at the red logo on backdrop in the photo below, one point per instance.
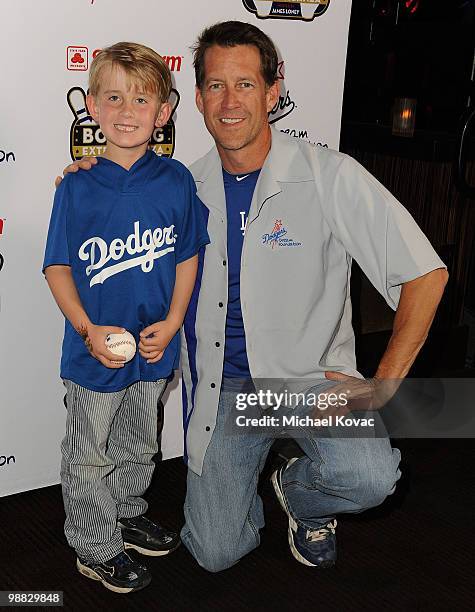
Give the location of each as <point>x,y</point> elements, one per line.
<point>173,61</point>
<point>77,58</point>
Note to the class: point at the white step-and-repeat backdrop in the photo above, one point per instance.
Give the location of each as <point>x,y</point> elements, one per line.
<point>46,48</point>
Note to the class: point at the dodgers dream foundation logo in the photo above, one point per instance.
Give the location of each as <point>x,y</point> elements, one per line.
<point>278,237</point>
<point>306,10</point>
<point>86,137</point>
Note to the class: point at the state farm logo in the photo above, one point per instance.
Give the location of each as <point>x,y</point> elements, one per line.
<point>77,58</point>
<point>305,10</point>
<point>7,156</point>
<point>86,137</point>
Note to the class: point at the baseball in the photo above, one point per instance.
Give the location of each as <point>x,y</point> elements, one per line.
<point>121,344</point>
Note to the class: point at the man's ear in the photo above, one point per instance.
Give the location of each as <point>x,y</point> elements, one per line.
<point>199,99</point>
<point>163,114</point>
<point>92,107</point>
<point>272,95</point>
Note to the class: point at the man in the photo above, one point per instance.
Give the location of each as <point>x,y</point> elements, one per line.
<point>280,308</point>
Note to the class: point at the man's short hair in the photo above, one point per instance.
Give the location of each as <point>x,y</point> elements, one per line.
<point>231,34</point>
<point>144,67</point>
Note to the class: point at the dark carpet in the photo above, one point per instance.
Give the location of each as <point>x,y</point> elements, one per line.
<point>415,552</point>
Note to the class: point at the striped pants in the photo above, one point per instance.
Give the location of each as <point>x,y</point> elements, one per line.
<point>107,463</point>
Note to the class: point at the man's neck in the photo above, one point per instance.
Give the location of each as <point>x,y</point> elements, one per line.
<point>247,159</point>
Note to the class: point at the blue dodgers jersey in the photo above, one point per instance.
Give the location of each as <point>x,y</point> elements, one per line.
<point>238,191</point>
<point>123,233</point>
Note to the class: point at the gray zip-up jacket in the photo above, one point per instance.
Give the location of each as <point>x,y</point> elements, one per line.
<point>312,211</point>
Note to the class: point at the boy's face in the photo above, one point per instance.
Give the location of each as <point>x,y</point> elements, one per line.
<point>127,116</point>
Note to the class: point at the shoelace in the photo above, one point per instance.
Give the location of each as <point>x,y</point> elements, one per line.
<point>123,560</point>
<point>151,525</point>
<point>317,535</point>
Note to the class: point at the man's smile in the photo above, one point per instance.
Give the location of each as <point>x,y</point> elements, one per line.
<point>230,120</point>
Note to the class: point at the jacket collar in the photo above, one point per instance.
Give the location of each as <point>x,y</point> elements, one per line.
<point>285,163</point>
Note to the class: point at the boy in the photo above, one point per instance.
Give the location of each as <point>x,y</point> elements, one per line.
<point>122,249</point>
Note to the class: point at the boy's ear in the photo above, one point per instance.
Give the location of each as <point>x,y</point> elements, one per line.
<point>163,114</point>
<point>92,107</point>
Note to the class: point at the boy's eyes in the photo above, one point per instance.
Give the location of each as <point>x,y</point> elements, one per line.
<point>115,98</point>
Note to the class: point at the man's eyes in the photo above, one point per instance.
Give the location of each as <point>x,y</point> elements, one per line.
<point>240,85</point>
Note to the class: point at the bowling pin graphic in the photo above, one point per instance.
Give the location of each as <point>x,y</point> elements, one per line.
<point>263,7</point>
<point>86,137</point>
<point>307,8</point>
<point>163,138</point>
<point>77,103</point>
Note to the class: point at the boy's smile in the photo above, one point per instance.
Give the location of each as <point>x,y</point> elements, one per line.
<point>127,115</point>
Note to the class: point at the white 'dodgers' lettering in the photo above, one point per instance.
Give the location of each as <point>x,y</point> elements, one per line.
<point>98,253</point>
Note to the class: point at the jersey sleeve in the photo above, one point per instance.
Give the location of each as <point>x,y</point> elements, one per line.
<point>192,233</point>
<point>57,250</point>
<point>377,231</point>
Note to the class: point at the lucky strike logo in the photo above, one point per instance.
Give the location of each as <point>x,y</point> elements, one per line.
<point>86,137</point>
<point>305,10</point>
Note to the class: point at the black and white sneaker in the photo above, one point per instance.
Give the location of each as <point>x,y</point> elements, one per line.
<point>121,574</point>
<point>148,538</point>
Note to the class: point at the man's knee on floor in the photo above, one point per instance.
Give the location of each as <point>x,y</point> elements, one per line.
<point>216,553</point>
<point>213,558</point>
<point>373,487</point>
<point>218,561</point>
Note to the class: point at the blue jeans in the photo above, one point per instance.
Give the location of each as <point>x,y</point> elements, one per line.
<point>224,513</point>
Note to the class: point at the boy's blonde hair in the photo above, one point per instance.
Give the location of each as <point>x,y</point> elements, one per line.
<point>144,67</point>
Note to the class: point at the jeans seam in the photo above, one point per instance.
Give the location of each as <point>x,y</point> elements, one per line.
<point>303,485</point>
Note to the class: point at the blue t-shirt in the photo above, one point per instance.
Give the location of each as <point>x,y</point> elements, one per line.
<point>123,232</point>
<point>238,190</point>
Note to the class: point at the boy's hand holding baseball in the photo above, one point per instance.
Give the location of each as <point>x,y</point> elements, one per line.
<point>155,338</point>
<point>94,337</point>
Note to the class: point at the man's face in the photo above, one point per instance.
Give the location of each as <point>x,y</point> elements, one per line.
<point>235,99</point>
